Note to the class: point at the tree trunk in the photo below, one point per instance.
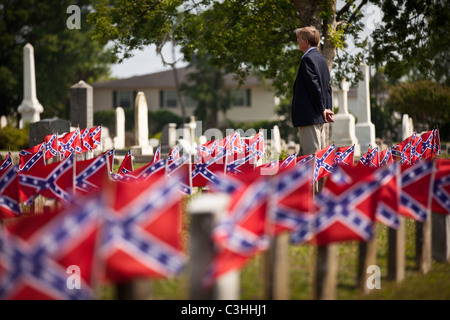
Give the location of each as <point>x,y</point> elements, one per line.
<point>308,11</point>
<point>328,49</point>
<point>175,75</point>
<point>180,96</point>
<point>213,116</point>
<point>177,82</point>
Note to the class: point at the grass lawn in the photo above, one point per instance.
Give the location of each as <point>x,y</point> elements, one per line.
<point>434,285</point>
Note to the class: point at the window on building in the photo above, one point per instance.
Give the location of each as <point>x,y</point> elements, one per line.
<point>124,99</point>
<point>189,102</point>
<point>168,99</point>
<point>242,98</point>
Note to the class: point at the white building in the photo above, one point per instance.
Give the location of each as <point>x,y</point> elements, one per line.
<point>255,99</point>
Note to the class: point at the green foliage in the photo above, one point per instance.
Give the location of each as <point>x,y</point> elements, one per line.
<point>132,24</point>
<point>336,37</point>
<point>14,138</point>
<point>62,56</point>
<point>107,119</point>
<point>385,123</point>
<point>413,40</point>
<point>158,119</point>
<point>239,36</point>
<point>245,36</point>
<point>287,131</point>
<point>425,101</point>
<point>250,126</point>
<point>206,85</point>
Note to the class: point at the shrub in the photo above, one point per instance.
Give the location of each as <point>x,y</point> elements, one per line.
<point>14,138</point>
<point>263,124</point>
<point>156,120</point>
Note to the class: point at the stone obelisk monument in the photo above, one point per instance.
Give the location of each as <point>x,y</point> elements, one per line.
<point>142,146</point>
<point>343,133</point>
<point>30,108</point>
<point>365,129</point>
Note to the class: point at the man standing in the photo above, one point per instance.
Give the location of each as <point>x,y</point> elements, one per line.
<point>312,102</point>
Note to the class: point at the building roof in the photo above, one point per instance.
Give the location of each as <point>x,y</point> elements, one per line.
<point>166,79</point>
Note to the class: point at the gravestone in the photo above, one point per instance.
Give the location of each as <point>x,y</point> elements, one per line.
<point>165,147</point>
<point>192,130</point>
<point>365,129</point>
<point>141,126</point>
<point>38,130</point>
<point>343,133</point>
<point>81,105</point>
<point>30,108</point>
<point>154,143</point>
<point>106,141</point>
<point>168,137</point>
<point>276,140</point>
<point>440,237</point>
<point>202,140</point>
<point>172,135</point>
<point>3,121</point>
<point>407,127</point>
<point>186,136</point>
<point>119,140</point>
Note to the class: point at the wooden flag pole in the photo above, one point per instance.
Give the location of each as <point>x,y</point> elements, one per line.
<point>276,258</point>
<point>325,287</point>
<point>423,234</point>
<point>367,257</point>
<point>396,252</point>
<point>326,268</point>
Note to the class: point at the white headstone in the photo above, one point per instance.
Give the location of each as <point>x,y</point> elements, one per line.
<point>106,140</point>
<point>30,108</point>
<point>141,126</point>
<point>186,135</point>
<point>343,132</point>
<point>120,129</point>
<point>365,129</point>
<point>172,135</point>
<point>3,121</point>
<point>141,120</point>
<point>276,139</point>
<point>192,127</point>
<point>154,143</point>
<point>407,127</point>
<point>202,140</point>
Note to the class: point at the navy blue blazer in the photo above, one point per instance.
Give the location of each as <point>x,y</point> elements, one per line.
<point>312,90</point>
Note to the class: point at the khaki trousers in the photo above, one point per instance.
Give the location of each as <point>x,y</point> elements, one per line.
<point>312,139</point>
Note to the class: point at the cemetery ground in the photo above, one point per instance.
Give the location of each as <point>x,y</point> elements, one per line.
<point>435,285</point>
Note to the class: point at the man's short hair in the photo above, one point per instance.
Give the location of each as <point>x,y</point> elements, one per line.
<point>309,34</point>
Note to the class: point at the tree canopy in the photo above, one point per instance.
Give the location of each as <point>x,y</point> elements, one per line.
<point>206,85</point>
<point>63,56</point>
<point>242,36</point>
<point>258,35</point>
<point>425,101</point>
<point>413,39</point>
